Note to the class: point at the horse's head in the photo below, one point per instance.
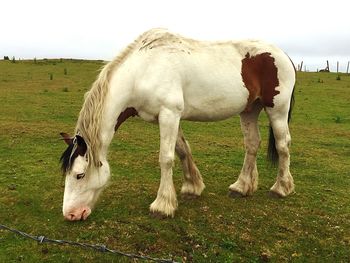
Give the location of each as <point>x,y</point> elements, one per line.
<point>84,182</point>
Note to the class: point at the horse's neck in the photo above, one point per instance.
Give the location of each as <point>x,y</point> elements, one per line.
<point>116,102</point>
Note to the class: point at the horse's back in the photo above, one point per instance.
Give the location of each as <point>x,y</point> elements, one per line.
<point>214,80</point>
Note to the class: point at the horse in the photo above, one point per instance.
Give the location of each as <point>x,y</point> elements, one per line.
<point>162,78</point>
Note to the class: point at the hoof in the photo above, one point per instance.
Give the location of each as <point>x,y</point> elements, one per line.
<point>159,215</point>
<point>235,194</point>
<point>163,206</point>
<point>275,195</point>
<point>189,196</point>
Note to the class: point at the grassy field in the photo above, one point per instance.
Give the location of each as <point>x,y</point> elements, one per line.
<point>39,100</point>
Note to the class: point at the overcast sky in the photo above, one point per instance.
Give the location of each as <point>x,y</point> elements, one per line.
<point>312,31</point>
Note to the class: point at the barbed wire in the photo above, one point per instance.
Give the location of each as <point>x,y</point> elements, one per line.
<point>100,248</point>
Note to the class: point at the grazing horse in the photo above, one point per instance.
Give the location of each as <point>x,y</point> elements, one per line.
<point>164,78</point>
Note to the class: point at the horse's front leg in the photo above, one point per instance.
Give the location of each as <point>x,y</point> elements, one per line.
<point>166,202</point>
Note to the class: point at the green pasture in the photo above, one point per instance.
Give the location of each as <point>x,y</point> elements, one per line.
<point>39,99</point>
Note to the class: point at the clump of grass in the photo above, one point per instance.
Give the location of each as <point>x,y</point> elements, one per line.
<point>320,80</point>
<point>51,76</point>
<point>338,77</point>
<point>65,71</point>
<point>65,89</point>
<point>338,119</point>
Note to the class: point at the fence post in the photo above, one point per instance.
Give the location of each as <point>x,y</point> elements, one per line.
<point>300,67</point>
<point>347,68</point>
<point>337,66</point>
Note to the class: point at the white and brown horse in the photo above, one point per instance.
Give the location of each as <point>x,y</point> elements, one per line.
<point>164,78</point>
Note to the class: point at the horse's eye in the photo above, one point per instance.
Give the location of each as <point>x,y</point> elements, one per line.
<point>80,176</point>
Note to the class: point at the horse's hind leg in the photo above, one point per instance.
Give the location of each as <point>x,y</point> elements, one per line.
<point>247,182</point>
<point>193,183</point>
<point>279,122</point>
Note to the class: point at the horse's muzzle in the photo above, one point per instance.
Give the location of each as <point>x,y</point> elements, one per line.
<point>76,214</point>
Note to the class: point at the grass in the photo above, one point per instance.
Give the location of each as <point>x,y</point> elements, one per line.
<point>311,225</point>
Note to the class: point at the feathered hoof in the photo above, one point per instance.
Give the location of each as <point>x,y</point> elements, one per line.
<point>282,188</point>
<point>192,191</point>
<point>163,208</point>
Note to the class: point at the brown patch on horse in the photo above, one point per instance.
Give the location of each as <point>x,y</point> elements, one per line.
<point>129,112</point>
<point>259,74</point>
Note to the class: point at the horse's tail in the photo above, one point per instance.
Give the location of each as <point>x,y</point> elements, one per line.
<point>272,154</point>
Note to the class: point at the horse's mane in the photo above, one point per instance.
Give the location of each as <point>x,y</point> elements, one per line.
<point>89,122</point>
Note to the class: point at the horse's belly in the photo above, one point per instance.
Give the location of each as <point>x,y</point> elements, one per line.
<point>213,104</point>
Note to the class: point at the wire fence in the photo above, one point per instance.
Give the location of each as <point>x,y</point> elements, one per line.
<point>100,248</point>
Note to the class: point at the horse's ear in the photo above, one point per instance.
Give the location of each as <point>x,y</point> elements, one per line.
<point>67,138</point>
<point>82,147</point>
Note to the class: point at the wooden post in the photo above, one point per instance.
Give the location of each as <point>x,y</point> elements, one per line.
<point>301,66</point>
<point>337,66</point>
<point>347,68</point>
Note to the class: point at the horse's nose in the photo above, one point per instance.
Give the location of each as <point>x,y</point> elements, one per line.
<point>78,214</point>
<point>70,217</point>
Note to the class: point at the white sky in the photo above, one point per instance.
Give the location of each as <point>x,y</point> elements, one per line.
<point>313,31</point>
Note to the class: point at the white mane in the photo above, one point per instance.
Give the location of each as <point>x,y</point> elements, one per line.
<point>89,122</point>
